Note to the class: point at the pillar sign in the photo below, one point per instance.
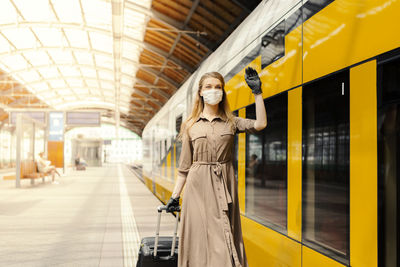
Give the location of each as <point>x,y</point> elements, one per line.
<point>56,126</point>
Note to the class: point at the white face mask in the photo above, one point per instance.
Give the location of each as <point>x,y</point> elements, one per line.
<point>212,96</point>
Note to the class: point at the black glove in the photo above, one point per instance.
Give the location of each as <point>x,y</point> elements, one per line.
<point>172,204</point>
<point>253,81</point>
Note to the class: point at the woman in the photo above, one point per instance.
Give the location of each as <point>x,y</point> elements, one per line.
<point>45,167</point>
<point>210,230</point>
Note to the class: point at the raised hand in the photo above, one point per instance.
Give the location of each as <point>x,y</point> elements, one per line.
<point>253,81</point>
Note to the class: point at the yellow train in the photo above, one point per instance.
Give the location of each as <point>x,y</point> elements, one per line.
<point>319,186</point>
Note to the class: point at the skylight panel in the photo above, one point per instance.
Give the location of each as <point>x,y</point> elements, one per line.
<point>48,95</point>
<point>62,56</point>
<point>8,13</point>
<point>104,61</point>
<point>77,38</point>
<point>81,91</point>
<point>14,62</point>
<point>37,10</point>
<point>5,46</point>
<point>49,37</point>
<point>102,42</point>
<point>108,93</point>
<point>49,72</point>
<point>91,83</point>
<point>88,72</point>
<point>68,11</point>
<point>56,101</point>
<point>57,83</point>
<point>106,75</point>
<point>107,85</point>
<point>64,92</point>
<point>130,50</point>
<point>128,68</point>
<point>128,82</point>
<point>21,38</point>
<point>69,98</point>
<point>38,58</point>
<point>111,100</point>
<point>94,98</point>
<point>29,76</point>
<point>40,87</point>
<point>70,71</point>
<point>133,24</point>
<point>124,109</point>
<point>98,13</point>
<point>84,58</point>
<point>143,3</point>
<point>75,82</point>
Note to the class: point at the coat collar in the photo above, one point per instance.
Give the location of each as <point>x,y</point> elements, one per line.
<point>219,116</point>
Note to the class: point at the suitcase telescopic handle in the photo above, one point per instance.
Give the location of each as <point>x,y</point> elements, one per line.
<point>160,209</point>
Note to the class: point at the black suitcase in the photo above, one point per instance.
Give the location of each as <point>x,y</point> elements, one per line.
<point>157,250</point>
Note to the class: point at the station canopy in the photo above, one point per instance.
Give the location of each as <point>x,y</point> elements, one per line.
<point>124,58</point>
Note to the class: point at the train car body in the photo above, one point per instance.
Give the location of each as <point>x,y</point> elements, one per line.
<point>318,186</point>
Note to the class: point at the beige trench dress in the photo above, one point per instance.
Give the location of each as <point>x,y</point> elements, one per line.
<point>210,230</point>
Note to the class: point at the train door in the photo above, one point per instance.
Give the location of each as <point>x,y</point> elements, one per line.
<point>326,169</point>
<point>388,160</point>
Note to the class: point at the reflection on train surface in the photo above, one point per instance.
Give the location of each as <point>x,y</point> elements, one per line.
<point>318,186</point>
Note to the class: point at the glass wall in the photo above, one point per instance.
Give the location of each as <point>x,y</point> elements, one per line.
<point>7,147</point>
<point>388,162</point>
<point>326,152</point>
<point>266,166</point>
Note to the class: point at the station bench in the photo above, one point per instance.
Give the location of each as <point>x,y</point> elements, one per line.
<point>29,170</point>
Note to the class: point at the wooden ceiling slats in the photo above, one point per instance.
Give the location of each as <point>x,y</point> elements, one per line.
<point>163,29</point>
<point>207,26</point>
<point>229,5</point>
<point>212,18</point>
<point>143,89</point>
<point>145,76</point>
<point>200,47</point>
<point>153,105</point>
<point>177,75</point>
<point>158,97</point>
<point>192,44</point>
<point>221,11</point>
<point>188,52</point>
<point>152,55</point>
<point>159,41</point>
<point>211,36</point>
<point>148,61</point>
<point>184,57</point>
<point>191,38</point>
<point>177,7</point>
<point>165,9</point>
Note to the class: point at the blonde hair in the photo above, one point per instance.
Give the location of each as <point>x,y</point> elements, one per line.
<point>198,105</point>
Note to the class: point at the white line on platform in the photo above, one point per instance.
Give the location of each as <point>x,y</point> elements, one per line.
<point>130,234</point>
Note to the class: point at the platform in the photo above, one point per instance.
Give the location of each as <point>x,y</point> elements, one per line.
<point>91,218</point>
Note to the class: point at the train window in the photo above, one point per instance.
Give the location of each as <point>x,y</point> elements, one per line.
<point>273,45</point>
<point>178,144</point>
<point>326,154</point>
<point>178,124</point>
<point>266,166</point>
<point>388,162</point>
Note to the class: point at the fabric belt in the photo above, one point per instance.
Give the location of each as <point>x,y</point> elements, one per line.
<point>226,198</point>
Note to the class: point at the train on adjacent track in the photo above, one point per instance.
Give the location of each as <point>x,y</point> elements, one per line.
<point>320,185</point>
